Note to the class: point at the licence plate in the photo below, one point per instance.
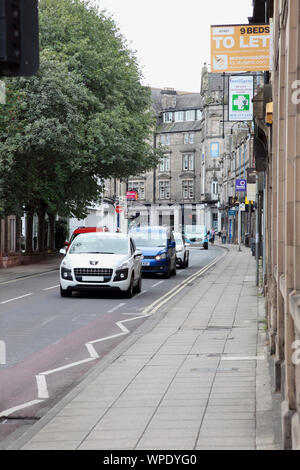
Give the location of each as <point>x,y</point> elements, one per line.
<point>92,278</point>
<point>145,263</point>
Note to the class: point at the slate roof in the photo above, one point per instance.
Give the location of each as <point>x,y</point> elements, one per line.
<point>184,100</point>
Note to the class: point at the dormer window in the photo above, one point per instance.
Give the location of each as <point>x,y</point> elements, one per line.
<point>168,117</point>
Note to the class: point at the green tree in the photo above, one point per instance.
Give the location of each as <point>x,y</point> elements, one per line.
<point>83,118</point>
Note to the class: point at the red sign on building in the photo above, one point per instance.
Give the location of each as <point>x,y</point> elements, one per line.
<point>131,195</point>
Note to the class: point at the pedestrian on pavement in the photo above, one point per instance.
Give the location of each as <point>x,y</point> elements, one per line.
<point>219,235</point>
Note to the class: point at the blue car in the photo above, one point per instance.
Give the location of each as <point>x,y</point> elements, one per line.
<point>159,249</point>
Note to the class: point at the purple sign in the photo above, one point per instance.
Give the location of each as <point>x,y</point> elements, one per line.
<point>241,185</point>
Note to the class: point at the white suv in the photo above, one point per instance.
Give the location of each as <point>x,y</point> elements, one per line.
<point>101,261</point>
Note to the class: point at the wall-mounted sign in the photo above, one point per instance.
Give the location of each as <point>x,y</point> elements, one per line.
<point>241,92</point>
<point>214,149</point>
<point>131,195</point>
<point>241,185</point>
<point>240,48</point>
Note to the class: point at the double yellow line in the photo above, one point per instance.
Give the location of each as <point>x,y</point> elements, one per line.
<point>157,304</point>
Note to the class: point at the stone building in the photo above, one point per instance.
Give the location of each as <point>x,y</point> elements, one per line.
<point>171,193</point>
<point>278,151</point>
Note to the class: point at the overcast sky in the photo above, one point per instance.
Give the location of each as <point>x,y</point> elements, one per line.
<point>172,37</point>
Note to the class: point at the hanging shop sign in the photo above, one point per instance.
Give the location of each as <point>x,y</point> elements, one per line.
<point>240,48</point>
<point>240,184</point>
<point>241,92</point>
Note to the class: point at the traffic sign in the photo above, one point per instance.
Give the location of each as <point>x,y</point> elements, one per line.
<point>119,209</point>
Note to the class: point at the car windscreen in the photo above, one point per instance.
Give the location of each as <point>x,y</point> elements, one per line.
<point>91,243</point>
<point>195,229</point>
<point>178,239</point>
<point>150,239</point>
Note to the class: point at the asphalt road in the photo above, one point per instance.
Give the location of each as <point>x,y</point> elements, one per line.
<point>51,342</point>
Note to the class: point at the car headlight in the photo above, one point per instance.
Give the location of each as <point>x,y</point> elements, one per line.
<point>66,273</point>
<point>162,256</point>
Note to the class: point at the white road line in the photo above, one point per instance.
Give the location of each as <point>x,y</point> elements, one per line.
<point>53,287</point>
<point>148,311</point>
<point>157,284</point>
<point>141,293</point>
<point>116,308</point>
<point>42,386</point>
<point>15,298</point>
<point>19,407</point>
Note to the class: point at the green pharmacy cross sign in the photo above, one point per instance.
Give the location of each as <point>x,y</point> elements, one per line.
<point>240,102</point>
<point>240,98</point>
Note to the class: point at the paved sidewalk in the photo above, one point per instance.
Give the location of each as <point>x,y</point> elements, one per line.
<point>198,380</point>
<point>25,270</point>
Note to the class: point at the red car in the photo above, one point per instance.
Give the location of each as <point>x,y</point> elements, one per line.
<point>84,230</point>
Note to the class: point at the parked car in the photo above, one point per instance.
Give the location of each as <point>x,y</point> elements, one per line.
<point>182,253</point>
<point>79,230</point>
<point>196,235</point>
<point>101,261</point>
<point>158,247</point>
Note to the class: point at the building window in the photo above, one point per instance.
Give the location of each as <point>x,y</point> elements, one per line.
<point>190,115</point>
<point>188,189</point>
<point>188,162</point>
<point>164,190</point>
<point>168,117</point>
<point>139,187</point>
<point>164,164</point>
<point>199,115</point>
<point>188,138</point>
<point>179,116</point>
<point>215,187</point>
<point>165,139</point>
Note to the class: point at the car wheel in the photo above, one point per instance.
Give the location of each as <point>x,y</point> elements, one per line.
<point>167,275</point>
<point>130,291</point>
<point>173,272</point>
<point>65,292</point>
<point>139,286</point>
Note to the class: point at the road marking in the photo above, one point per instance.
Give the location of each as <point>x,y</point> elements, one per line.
<point>148,311</point>
<point>15,298</point>
<point>157,304</point>
<point>49,320</point>
<point>157,284</point>
<point>53,287</point>
<point>42,386</point>
<point>19,407</point>
<point>116,308</point>
<point>29,276</point>
<point>141,293</point>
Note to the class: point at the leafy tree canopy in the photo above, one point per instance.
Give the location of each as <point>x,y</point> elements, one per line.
<point>83,118</point>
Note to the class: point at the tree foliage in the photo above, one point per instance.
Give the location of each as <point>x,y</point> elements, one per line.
<point>83,118</point>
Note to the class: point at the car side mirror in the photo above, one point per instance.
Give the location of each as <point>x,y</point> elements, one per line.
<point>137,253</point>
<point>63,251</point>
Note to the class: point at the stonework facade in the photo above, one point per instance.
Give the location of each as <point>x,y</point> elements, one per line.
<point>283,217</point>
